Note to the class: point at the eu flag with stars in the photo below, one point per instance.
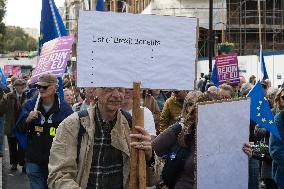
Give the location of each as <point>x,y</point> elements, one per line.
<point>51,24</point>
<point>260,110</point>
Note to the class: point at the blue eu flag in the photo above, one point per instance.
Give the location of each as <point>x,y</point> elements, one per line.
<point>51,24</point>
<point>260,110</point>
<point>262,65</point>
<point>3,80</point>
<point>51,27</point>
<point>214,77</point>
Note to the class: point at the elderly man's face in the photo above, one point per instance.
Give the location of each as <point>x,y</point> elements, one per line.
<point>225,94</point>
<point>47,91</point>
<point>110,98</point>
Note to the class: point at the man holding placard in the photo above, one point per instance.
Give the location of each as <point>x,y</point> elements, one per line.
<point>100,158</point>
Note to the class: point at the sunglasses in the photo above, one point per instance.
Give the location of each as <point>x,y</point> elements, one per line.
<point>282,97</point>
<point>42,87</point>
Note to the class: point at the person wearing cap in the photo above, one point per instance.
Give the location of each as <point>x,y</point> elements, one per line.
<point>40,118</point>
<point>11,105</point>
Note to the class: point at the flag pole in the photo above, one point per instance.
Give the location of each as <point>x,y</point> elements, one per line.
<point>259,26</point>
<point>259,34</point>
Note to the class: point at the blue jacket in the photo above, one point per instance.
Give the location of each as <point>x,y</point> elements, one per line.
<point>276,149</point>
<point>64,111</point>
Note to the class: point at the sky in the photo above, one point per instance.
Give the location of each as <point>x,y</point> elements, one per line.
<point>25,13</point>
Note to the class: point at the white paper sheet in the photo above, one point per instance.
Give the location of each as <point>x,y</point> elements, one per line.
<point>108,56</point>
<point>222,130</point>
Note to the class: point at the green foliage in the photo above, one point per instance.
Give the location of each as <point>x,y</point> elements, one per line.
<point>2,25</point>
<point>226,47</point>
<point>17,40</point>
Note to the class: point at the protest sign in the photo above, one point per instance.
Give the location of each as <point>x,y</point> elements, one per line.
<point>115,49</point>
<point>53,58</point>
<point>227,68</point>
<point>222,129</point>
<point>12,70</point>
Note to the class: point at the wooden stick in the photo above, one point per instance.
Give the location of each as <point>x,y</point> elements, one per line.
<point>142,160</point>
<point>222,20</point>
<point>259,25</point>
<point>134,152</point>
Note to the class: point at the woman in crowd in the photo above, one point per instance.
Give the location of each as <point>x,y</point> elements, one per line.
<point>180,135</point>
<point>68,96</point>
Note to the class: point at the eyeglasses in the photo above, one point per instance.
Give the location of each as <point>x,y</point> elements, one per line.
<point>43,87</point>
<point>282,97</point>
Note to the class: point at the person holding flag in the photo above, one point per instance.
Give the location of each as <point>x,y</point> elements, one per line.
<point>39,119</point>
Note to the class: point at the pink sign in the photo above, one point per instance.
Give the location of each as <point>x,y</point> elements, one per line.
<point>12,70</point>
<point>53,57</point>
<point>227,68</point>
<point>8,70</point>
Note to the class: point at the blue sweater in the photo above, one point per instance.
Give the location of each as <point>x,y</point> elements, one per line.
<point>276,149</point>
<point>63,111</point>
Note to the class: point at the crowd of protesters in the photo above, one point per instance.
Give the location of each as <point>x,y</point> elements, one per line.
<point>83,140</point>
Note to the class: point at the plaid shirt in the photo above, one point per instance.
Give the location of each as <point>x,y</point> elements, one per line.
<point>107,163</point>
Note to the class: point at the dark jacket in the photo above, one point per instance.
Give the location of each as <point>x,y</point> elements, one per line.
<point>276,149</point>
<point>11,107</point>
<point>162,145</point>
<point>40,132</point>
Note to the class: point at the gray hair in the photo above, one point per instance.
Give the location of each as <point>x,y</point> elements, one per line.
<point>246,87</point>
<point>272,92</point>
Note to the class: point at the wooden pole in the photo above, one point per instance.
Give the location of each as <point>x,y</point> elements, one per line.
<point>259,25</point>
<point>223,26</point>
<point>135,120</point>
<point>142,160</point>
<point>115,6</point>
<point>259,32</point>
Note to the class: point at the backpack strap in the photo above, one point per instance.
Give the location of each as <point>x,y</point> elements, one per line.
<point>128,117</point>
<point>81,132</point>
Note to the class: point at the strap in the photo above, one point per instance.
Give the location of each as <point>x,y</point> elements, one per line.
<point>81,132</point>
<point>128,116</point>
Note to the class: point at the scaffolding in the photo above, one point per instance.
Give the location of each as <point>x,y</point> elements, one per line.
<point>243,28</point>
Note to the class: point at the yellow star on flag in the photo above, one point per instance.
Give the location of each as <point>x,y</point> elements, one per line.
<point>258,114</point>
<point>41,37</point>
<point>270,122</point>
<point>258,108</point>
<point>265,98</point>
<point>263,120</point>
<point>260,102</point>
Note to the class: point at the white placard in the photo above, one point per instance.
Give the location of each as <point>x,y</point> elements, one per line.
<point>222,130</point>
<point>116,49</point>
